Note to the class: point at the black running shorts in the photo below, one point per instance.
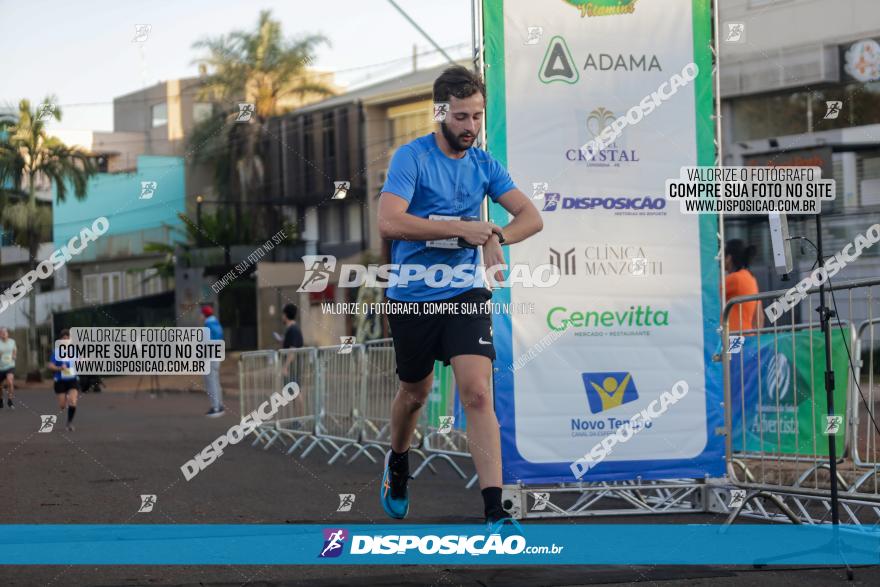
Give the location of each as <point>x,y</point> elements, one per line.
<point>427,331</point>
<point>65,385</point>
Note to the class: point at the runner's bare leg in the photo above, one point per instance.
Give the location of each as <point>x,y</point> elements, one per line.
<point>473,375</point>
<point>405,411</point>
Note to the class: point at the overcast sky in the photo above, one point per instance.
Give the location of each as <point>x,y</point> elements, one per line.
<point>83,51</point>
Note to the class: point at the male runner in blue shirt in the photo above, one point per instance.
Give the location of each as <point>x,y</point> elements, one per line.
<point>440,174</point>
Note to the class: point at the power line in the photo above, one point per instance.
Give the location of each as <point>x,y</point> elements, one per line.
<point>194,90</point>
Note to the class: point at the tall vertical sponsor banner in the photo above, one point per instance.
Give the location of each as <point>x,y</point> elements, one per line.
<point>637,305</point>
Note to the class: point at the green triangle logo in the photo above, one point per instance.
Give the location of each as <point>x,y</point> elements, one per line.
<point>558,66</point>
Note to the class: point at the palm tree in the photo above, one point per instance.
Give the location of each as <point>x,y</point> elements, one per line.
<point>28,154</point>
<point>260,67</point>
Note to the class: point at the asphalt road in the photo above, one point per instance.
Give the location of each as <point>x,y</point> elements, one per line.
<point>127,445</point>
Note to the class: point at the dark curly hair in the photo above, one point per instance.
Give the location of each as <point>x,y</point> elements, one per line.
<point>740,254</point>
<point>457,81</point>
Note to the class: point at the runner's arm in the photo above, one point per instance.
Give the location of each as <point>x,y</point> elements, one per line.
<point>396,224</point>
<point>526,218</point>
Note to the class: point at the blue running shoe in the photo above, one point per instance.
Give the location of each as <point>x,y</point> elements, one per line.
<point>504,525</point>
<point>398,507</point>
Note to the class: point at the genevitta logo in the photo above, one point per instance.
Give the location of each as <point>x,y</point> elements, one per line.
<point>636,320</point>
<point>637,206</point>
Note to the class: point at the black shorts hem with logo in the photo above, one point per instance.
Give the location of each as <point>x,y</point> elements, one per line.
<point>65,385</point>
<point>424,332</point>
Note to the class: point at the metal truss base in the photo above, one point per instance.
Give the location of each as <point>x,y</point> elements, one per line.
<point>566,500</point>
<point>793,508</point>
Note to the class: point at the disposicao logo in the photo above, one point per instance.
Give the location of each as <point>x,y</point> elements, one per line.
<point>334,542</point>
<point>553,201</point>
<point>609,390</point>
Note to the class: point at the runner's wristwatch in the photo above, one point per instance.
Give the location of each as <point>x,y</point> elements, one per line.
<point>500,236</point>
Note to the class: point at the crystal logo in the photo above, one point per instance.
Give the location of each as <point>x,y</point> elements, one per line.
<point>599,122</point>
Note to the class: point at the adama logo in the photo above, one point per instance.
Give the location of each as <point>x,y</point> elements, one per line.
<point>558,64</point>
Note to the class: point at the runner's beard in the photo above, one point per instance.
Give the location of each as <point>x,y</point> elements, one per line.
<point>454,141</point>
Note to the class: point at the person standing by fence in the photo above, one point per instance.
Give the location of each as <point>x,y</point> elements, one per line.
<point>7,367</point>
<point>293,339</point>
<point>293,336</point>
<point>212,379</point>
<point>740,282</point>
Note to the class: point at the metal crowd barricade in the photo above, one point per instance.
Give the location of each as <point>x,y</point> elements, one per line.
<point>864,412</point>
<point>296,420</point>
<point>345,402</point>
<point>340,389</point>
<point>444,437</point>
<point>381,389</point>
<point>258,379</point>
<point>776,421</point>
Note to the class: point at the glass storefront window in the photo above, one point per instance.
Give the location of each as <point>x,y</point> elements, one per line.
<point>791,113</point>
<point>758,117</point>
<point>859,105</point>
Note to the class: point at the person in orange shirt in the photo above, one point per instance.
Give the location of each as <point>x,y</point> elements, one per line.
<point>740,282</point>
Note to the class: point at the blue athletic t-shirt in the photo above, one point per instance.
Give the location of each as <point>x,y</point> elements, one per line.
<point>67,375</point>
<point>433,183</point>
